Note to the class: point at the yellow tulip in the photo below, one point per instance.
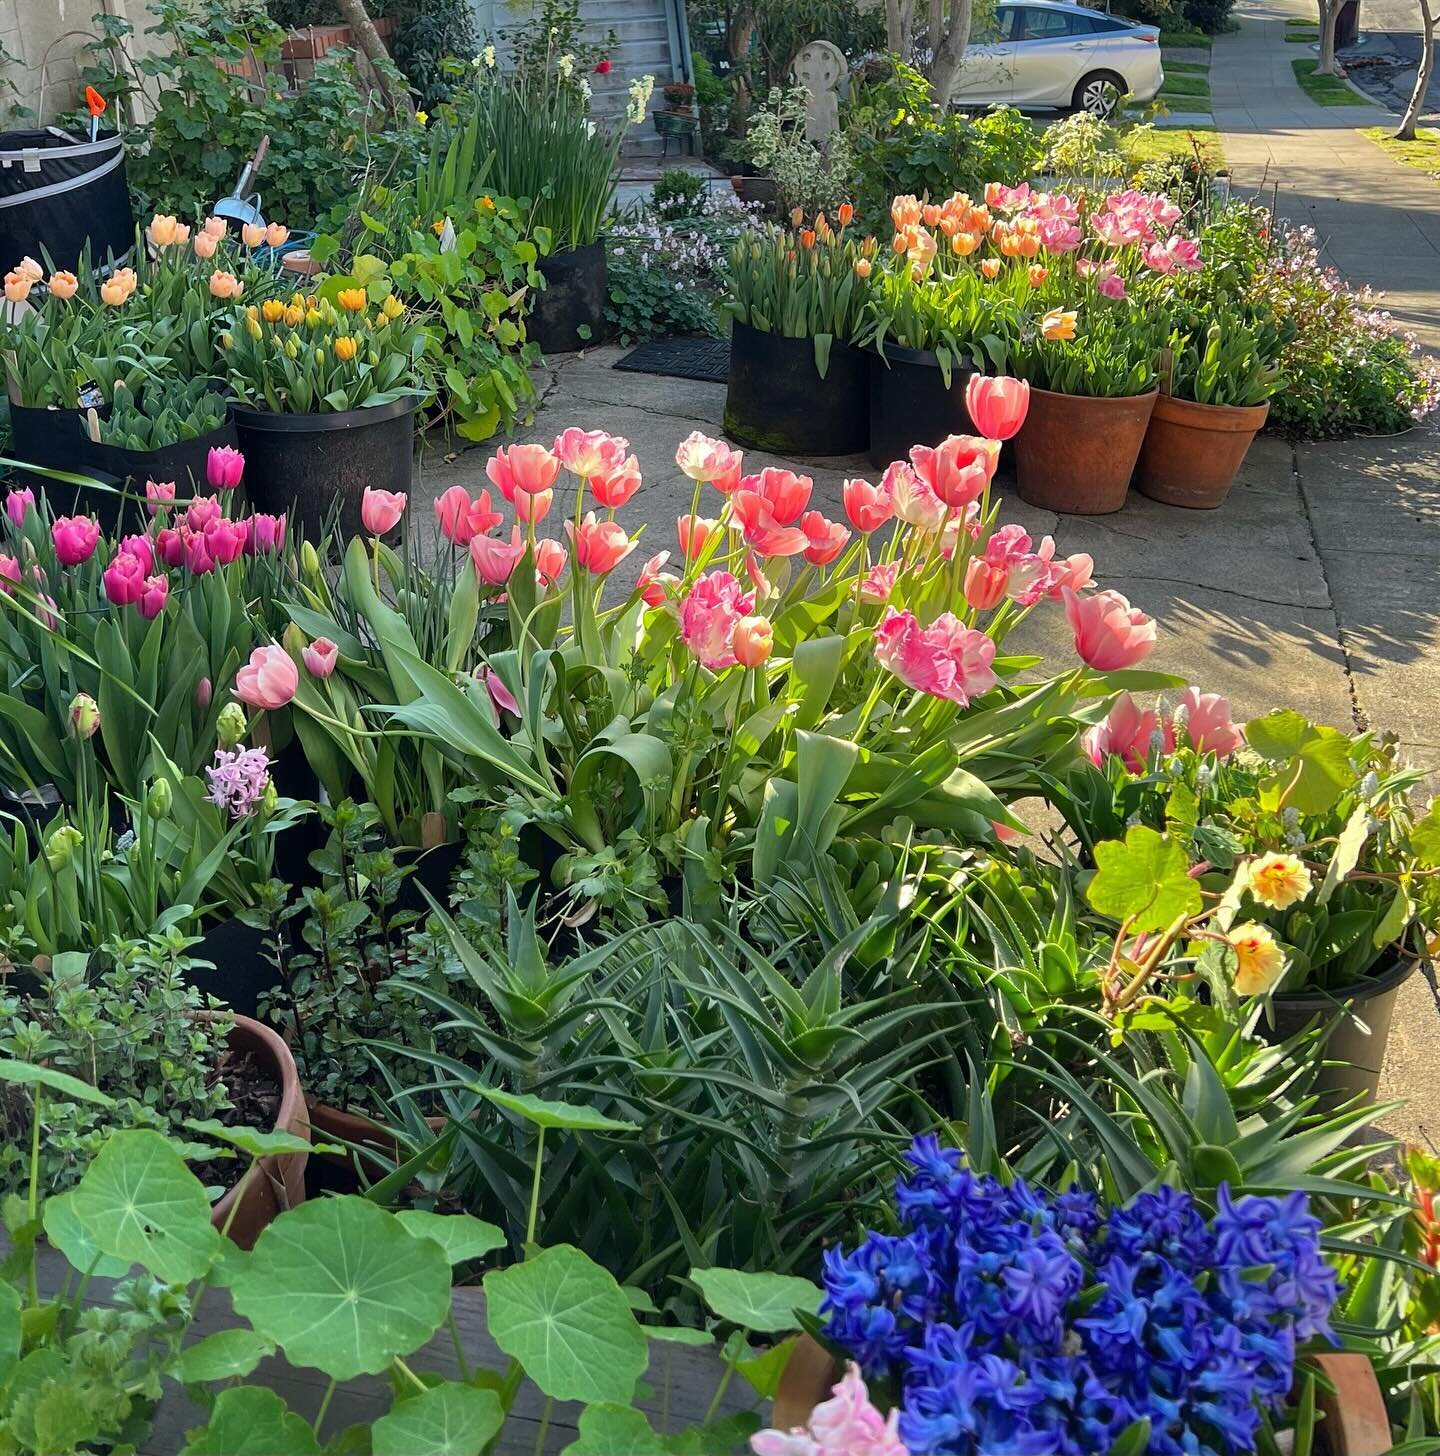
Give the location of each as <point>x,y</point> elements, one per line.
<point>351,299</point>
<point>1058,324</point>
<point>345,348</point>
<point>272,310</point>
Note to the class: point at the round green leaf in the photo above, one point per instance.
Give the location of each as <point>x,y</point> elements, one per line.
<point>568,1323</point>
<point>461,1236</point>
<point>765,1303</point>
<point>139,1202</point>
<point>224,1355</point>
<point>678,1335</point>
<point>340,1285</point>
<point>1145,879</point>
<point>27,1074</point>
<point>68,1234</point>
<point>250,1420</point>
<point>249,1140</point>
<point>615,1430</point>
<point>548,1113</point>
<point>447,1420</point>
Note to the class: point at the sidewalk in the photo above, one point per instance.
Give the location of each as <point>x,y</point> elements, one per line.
<point>1379,222</point>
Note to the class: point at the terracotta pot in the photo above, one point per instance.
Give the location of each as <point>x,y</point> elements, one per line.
<point>1076,453</point>
<point>353,1127</point>
<point>277,1183</point>
<point>1192,452</point>
<point>1356,1423</point>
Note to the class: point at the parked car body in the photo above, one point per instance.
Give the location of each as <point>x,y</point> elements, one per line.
<point>1041,54</point>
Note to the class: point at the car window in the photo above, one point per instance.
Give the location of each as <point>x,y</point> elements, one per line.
<point>1044,24</point>
<point>1083,25</point>
<point>1002,26</point>
<point>1104,25</point>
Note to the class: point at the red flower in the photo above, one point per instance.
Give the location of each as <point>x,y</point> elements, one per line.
<point>602,67</point>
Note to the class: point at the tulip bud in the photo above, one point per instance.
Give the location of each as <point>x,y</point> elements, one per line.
<point>84,715</point>
<point>231,725</point>
<point>753,641</point>
<point>270,799</point>
<point>294,640</point>
<point>309,560</point>
<point>203,690</point>
<point>61,845</point>
<point>159,799</point>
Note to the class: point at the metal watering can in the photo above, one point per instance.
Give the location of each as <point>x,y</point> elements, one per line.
<point>238,208</point>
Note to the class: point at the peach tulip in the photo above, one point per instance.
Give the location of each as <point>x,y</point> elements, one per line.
<point>63,285</point>
<point>27,267</point>
<point>214,227</point>
<point>111,293</point>
<point>225,285</point>
<point>752,641</point>
<point>550,559</point>
<point>380,510</point>
<point>205,245</point>
<point>494,558</point>
<point>693,533</point>
<point>997,404</point>
<point>1109,633</point>
<point>161,230</point>
<point>827,538</point>
<point>599,546</point>
<point>534,507</point>
<point>252,235</point>
<point>269,680</point>
<point>957,469</point>
<point>529,468</point>
<point>276,234</point>
<point>1058,324</point>
<point>17,287</point>
<point>755,517</point>
<point>985,584</point>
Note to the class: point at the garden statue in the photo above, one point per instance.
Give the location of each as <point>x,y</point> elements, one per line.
<point>820,68</point>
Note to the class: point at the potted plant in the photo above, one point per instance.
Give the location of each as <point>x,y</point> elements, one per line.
<point>1210,407</point>
<point>679,97</point>
<point>797,386</point>
<point>326,386</point>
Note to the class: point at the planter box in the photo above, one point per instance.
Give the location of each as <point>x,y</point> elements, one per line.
<point>314,42</point>
<point>910,403</point>
<point>576,288</point>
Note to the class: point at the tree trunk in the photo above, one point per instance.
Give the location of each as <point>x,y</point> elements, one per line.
<point>737,45</point>
<point>1329,14</point>
<point>372,47</point>
<point>945,67</point>
<point>900,27</point>
<point>1406,132</point>
<point>937,26</point>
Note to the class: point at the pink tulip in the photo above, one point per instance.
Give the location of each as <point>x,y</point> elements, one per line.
<point>786,493</point>
<point>269,680</point>
<point>1109,632</point>
<point>141,548</point>
<point>19,503</point>
<point>380,510</point>
<point>1175,252</point>
<point>1129,733</point>
<point>913,500</point>
<point>170,546</point>
<point>461,518</point>
<point>203,691</point>
<point>75,539</point>
<point>530,468</point>
<point>1204,718</point>
<point>267,534</point>
<point>124,579</point>
<point>827,538</point>
<point>500,695</point>
<point>550,559</point>
<point>599,546</point>
<point>198,560</point>
<point>985,584</point>
<point>1076,572</point>
<point>158,494</point>
<point>224,467</point>
<point>997,405</point>
<point>947,659</point>
<point>694,532</point>
<point>225,540</point>
<point>320,657</point>
<point>753,641</point>
<point>495,558</point>
<point>715,606</point>
<point>706,460</point>
<point>957,469</point>
<point>1059,235</point>
<point>153,597</point>
<point>9,574</point>
<point>202,510</point>
<point>1112,285</point>
<point>533,507</point>
<point>867,506</point>
<point>590,453</point>
<point>616,486</point>
<point>651,583</point>
<point>879,582</point>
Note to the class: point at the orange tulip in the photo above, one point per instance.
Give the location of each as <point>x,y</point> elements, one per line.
<point>1037,275</point>
<point>111,292</point>
<point>990,267</point>
<point>797,216</point>
<point>863,267</point>
<point>1058,324</point>
<point>807,238</point>
<point>351,299</point>
<point>63,285</point>
<point>345,348</point>
<point>252,235</point>
<point>846,214</point>
<point>964,243</point>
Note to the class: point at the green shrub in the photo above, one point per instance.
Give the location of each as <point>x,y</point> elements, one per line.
<point>678,193</point>
<point>1209,16</point>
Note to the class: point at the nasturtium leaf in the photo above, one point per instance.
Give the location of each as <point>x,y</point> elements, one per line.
<point>340,1285</point>
<point>677,1335</point>
<point>568,1323</point>
<point>251,1420</point>
<point>763,1371</point>
<point>1143,880</point>
<point>139,1202</point>
<point>1425,837</point>
<point>447,1420</point>
<point>249,1140</point>
<point>552,1113</point>
<point>28,1074</point>
<point>715,1438</point>
<point>610,1429</point>
<point>460,1235</point>
<point>225,1355</point>
<point>1313,764</point>
<point>1278,736</point>
<point>765,1303</point>
<point>68,1234</point>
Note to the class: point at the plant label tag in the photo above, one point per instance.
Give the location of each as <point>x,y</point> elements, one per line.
<point>91,396</point>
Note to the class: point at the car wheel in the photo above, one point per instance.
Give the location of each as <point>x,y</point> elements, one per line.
<point>1099,93</point>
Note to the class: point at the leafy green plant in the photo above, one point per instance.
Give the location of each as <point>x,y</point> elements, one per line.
<point>677,194</point>
<point>1111,351</point>
<point>166,413</point>
<point>1226,364</point>
<point>775,142</point>
<point>962,318</point>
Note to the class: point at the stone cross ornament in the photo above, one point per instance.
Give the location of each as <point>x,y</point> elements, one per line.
<point>820,67</point>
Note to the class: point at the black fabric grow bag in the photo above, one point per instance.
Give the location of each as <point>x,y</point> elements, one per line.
<point>910,403</point>
<point>311,463</point>
<point>777,401</point>
<point>573,299</point>
<point>55,439</point>
<point>60,191</point>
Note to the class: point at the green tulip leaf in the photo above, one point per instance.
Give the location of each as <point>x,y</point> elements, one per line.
<point>225,1355</point>
<point>615,1430</point>
<point>552,1113</point>
<point>568,1323</point>
<point>765,1303</point>
<point>251,1420</point>
<point>139,1202</point>
<point>1143,880</point>
<point>249,1140</point>
<point>68,1234</point>
<point>28,1074</point>
<point>461,1236</point>
<point>340,1285</point>
<point>447,1420</point>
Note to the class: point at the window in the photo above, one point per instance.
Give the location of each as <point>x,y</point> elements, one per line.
<point>1043,24</point>
<point>1003,26</point>
<point>1104,25</point>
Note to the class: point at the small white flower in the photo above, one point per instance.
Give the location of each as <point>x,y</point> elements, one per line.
<point>589,128</point>
<point>1369,784</point>
<point>583,86</point>
<point>566,65</point>
<point>1204,777</point>
<point>488,54</point>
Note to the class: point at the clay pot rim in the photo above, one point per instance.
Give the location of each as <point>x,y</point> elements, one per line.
<point>1100,399</point>
<point>1224,419</point>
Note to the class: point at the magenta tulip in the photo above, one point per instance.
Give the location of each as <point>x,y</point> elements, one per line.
<point>75,539</point>
<point>224,467</point>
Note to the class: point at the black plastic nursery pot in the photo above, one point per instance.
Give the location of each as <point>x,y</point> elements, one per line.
<point>312,463</point>
<point>777,401</point>
<point>1358,1018</point>
<point>182,462</point>
<point>910,403</point>
<point>60,191</point>
<point>243,972</point>
<point>569,312</point>
<point>55,440</point>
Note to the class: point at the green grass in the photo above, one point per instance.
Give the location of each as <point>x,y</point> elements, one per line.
<point>1295,22</point>
<point>1325,90</point>
<point>1188,86</point>
<point>1159,145</point>
<point>1300,37</point>
<point>1186,68</point>
<point>1185,38</point>
<point>1423,153</point>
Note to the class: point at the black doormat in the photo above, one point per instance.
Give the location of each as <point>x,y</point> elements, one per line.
<point>703,359</point>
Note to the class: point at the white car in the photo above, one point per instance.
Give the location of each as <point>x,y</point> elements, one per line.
<point>1040,54</point>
